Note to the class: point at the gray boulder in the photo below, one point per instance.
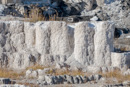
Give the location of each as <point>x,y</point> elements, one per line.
<point>49,79</point>
<point>120,60</point>
<point>69,79</point>
<point>28,73</point>
<point>126,83</point>
<point>5,81</point>
<point>97,77</point>
<point>76,80</point>
<point>91,78</point>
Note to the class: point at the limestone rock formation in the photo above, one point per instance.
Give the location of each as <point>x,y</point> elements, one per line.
<point>84,43</point>
<point>120,60</point>
<point>103,42</point>
<point>81,45</point>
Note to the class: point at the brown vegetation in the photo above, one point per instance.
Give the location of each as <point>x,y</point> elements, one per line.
<point>67,72</point>
<point>28,84</point>
<point>123,49</point>
<point>5,73</point>
<point>36,15</point>
<point>36,66</point>
<point>116,74</point>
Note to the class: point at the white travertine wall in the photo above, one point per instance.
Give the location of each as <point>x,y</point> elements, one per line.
<point>23,44</point>
<point>59,39</point>
<point>30,34</point>
<point>42,38</point>
<point>84,43</point>
<point>103,42</point>
<point>120,59</point>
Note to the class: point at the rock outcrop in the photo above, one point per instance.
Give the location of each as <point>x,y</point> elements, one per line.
<point>85,44</point>
<point>120,59</point>
<point>103,42</point>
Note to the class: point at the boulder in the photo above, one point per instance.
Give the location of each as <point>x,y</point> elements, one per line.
<point>76,80</point>
<point>41,78</point>
<point>91,78</point>
<point>93,69</point>
<point>126,83</point>
<point>28,73</point>
<point>5,81</point>
<point>85,79</point>
<point>31,73</point>
<point>48,79</point>
<point>69,79</point>
<point>120,60</point>
<point>97,77</point>
<point>41,72</point>
<point>34,74</point>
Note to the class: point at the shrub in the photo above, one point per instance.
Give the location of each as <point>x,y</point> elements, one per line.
<point>36,14</point>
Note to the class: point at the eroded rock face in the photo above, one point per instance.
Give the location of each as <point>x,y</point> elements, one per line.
<point>120,60</point>
<point>84,43</point>
<point>25,43</point>
<point>78,45</point>
<point>103,42</point>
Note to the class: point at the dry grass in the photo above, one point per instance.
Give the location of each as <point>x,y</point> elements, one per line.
<point>28,84</point>
<point>123,49</point>
<point>36,15</point>
<point>37,66</point>
<point>5,73</point>
<point>65,85</point>
<point>67,72</point>
<point>116,74</point>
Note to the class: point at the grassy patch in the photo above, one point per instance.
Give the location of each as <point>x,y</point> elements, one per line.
<point>116,74</point>
<point>36,15</point>
<point>67,72</point>
<point>29,84</point>
<point>5,73</point>
<point>35,67</point>
<point>123,49</point>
